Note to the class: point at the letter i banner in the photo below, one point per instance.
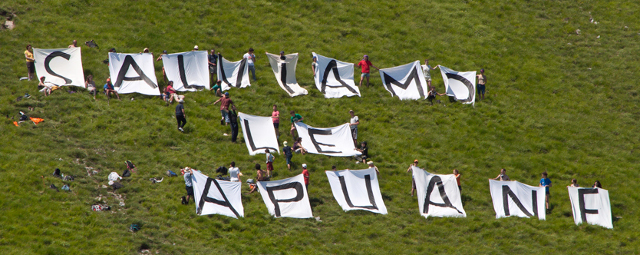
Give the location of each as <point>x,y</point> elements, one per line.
<point>438,194</point>
<point>286,198</point>
<point>217,196</point>
<point>591,205</point>
<point>62,67</point>
<point>189,70</point>
<point>405,81</point>
<point>285,72</point>
<point>357,190</point>
<point>512,198</point>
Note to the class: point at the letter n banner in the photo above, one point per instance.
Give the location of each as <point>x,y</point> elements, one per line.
<point>591,205</point>
<point>286,198</point>
<point>512,198</point>
<point>216,196</point>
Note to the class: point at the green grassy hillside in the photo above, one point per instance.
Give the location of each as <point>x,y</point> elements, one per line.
<point>557,100</point>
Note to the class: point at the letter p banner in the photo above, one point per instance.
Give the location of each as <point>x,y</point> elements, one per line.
<point>297,186</point>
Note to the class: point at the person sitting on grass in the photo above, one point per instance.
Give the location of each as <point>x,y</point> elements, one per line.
<point>46,87</point>
<point>217,89</point>
<point>431,95</point>
<point>90,85</point>
<point>297,146</point>
<point>261,175</point>
<point>170,93</point>
<point>364,149</point>
<point>109,89</point>
<point>234,172</point>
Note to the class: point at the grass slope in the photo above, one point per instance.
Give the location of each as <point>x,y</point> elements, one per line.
<point>557,101</point>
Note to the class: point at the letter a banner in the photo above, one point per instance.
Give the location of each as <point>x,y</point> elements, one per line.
<point>286,198</point>
<point>405,81</point>
<point>357,190</point>
<point>133,73</point>
<point>438,194</point>
<point>216,196</point>
<point>335,78</point>
<point>285,72</point>
<point>461,85</point>
<point>591,205</point>
<point>189,70</point>
<point>512,198</point>
<point>62,67</point>
<point>335,141</point>
<point>259,133</point>
<point>233,74</point>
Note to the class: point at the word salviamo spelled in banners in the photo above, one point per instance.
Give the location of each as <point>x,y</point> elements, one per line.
<point>62,67</point>
<point>335,78</point>
<point>461,85</point>
<point>512,198</point>
<point>357,190</point>
<point>591,205</point>
<point>233,74</point>
<point>285,72</point>
<point>286,198</point>
<point>438,194</point>
<point>216,196</point>
<point>405,81</point>
<point>189,70</point>
<point>133,73</point>
<point>335,141</point>
<point>259,133</point>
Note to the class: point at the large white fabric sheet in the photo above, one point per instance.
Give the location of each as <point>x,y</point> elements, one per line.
<point>220,197</point>
<point>259,133</point>
<point>591,205</point>
<point>286,198</point>
<point>335,141</point>
<point>432,201</point>
<point>461,85</point>
<point>62,67</point>
<point>133,73</point>
<point>357,190</point>
<point>189,70</point>
<point>286,77</point>
<point>405,81</point>
<point>335,78</point>
<point>233,74</point>
<point>517,195</point>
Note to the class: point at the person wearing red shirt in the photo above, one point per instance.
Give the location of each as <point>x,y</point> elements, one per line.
<point>365,64</point>
<point>225,101</point>
<point>305,174</point>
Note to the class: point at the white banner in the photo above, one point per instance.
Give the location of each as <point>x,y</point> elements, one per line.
<point>357,190</point>
<point>285,72</point>
<point>517,199</point>
<point>591,205</point>
<point>286,198</point>
<point>217,197</point>
<point>62,67</point>
<point>438,195</point>
<point>461,85</point>
<point>133,73</point>
<point>259,133</point>
<point>405,81</point>
<point>335,78</point>
<point>233,74</point>
<point>189,70</point>
<point>335,141</point>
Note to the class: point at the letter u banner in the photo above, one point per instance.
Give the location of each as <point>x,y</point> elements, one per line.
<point>438,195</point>
<point>357,190</point>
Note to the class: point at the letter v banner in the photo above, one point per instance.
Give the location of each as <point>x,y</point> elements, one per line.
<point>438,194</point>
<point>286,198</point>
<point>216,196</point>
<point>357,190</point>
<point>133,73</point>
<point>62,67</point>
<point>405,81</point>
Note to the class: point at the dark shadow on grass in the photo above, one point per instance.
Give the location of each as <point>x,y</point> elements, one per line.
<point>386,197</point>
<point>315,201</point>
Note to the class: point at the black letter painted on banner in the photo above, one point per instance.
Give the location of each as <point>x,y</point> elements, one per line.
<point>48,59</point>
<point>293,185</point>
<point>129,62</point>
<point>283,77</point>
<point>437,181</point>
<point>507,192</point>
<point>183,75</point>
<point>583,209</point>
<point>312,132</point>
<point>388,80</point>
<point>367,180</point>
<point>223,75</point>
<point>333,67</point>
<point>206,198</point>
<point>472,90</point>
<point>250,138</point>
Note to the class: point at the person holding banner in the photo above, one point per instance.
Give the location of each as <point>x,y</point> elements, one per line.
<point>31,68</point>
<point>370,163</point>
<point>164,74</point>
<point>546,183</point>
<point>295,118</point>
<point>426,70</point>
<point>502,176</point>
<point>457,175</point>
<point>74,44</point>
<point>413,181</point>
<point>365,64</point>
<point>188,185</point>
<point>212,59</point>
<point>482,81</point>
<point>314,65</point>
<point>90,85</point>
<point>574,183</point>
<point>108,89</point>
<point>353,124</point>
<point>251,59</point>
<point>597,184</point>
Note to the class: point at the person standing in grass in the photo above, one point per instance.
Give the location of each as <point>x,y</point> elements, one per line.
<point>31,69</point>
<point>180,115</point>
<point>413,181</point>
<point>213,59</point>
<point>457,175</point>
<point>188,185</point>
<point>502,176</point>
<point>269,162</point>
<point>234,172</point>
<point>225,102</point>
<point>426,70</point>
<point>482,82</point>
<point>90,85</point>
<point>288,152</point>
<point>314,65</point>
<point>233,120</point>
<point>365,64</point>
<point>251,59</point>
<point>108,89</point>
<point>546,183</point>
<point>295,118</point>
<point>353,124</point>
<point>305,174</point>
<point>275,117</point>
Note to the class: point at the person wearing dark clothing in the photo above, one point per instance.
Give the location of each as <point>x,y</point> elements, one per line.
<point>233,118</point>
<point>213,59</point>
<point>288,152</point>
<point>180,116</point>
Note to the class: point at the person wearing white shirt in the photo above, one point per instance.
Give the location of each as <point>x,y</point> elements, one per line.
<point>234,172</point>
<point>353,124</point>
<point>251,59</point>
